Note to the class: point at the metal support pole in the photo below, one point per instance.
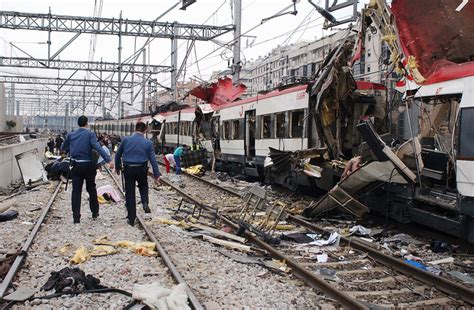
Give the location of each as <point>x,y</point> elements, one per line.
<point>174,63</point>
<point>49,36</point>
<point>18,108</point>
<point>66,117</point>
<point>119,88</point>
<point>84,100</point>
<point>102,98</point>
<point>12,100</point>
<point>236,67</point>
<point>144,110</point>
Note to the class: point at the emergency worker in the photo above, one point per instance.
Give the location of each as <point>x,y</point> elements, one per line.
<point>79,145</point>
<point>133,154</point>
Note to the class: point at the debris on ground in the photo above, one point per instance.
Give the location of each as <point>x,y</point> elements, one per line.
<point>156,296</point>
<point>332,240</point>
<point>71,279</point>
<point>6,263</point>
<point>103,246</point>
<point>439,247</point>
<point>462,276</point>
<point>108,193</point>
<point>8,215</point>
<point>359,230</point>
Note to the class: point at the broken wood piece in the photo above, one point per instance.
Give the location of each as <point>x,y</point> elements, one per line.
<point>219,232</point>
<point>228,244</point>
<point>448,260</point>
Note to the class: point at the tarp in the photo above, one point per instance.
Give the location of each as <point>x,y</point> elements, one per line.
<point>439,35</point>
<point>220,92</point>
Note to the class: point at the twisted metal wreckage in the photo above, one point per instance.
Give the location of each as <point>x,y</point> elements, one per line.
<point>426,177</point>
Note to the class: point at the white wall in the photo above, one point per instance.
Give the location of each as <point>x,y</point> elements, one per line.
<point>8,165</point>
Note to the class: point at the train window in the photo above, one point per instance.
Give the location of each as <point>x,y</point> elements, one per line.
<point>183,128</point>
<point>226,130</point>
<point>280,125</point>
<point>297,118</point>
<point>235,129</point>
<point>466,134</point>
<point>266,126</point>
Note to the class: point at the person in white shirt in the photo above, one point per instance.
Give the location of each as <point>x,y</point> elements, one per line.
<point>169,160</point>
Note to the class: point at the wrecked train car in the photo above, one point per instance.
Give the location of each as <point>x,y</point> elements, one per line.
<point>426,177</point>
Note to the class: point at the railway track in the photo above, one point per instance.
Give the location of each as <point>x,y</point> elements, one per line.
<point>364,278</point>
<point>215,279</point>
<point>53,241</point>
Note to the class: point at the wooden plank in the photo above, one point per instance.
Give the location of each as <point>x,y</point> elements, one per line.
<point>228,244</point>
<point>417,289</point>
<point>325,265</point>
<point>219,232</point>
<point>360,271</point>
<point>421,303</point>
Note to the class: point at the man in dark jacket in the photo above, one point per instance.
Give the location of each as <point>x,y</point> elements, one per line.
<point>134,153</point>
<point>79,145</point>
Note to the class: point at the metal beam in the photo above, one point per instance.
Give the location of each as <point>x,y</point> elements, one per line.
<point>59,81</point>
<point>46,92</point>
<point>24,62</point>
<point>110,26</point>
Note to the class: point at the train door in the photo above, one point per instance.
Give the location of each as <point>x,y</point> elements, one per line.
<point>250,130</point>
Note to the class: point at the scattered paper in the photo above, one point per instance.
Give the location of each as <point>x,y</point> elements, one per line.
<point>361,230</point>
<point>332,240</point>
<point>322,258</point>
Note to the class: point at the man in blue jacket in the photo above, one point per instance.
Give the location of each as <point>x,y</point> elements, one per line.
<point>79,145</point>
<point>133,154</point>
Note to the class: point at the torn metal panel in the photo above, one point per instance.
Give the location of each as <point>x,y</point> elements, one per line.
<point>383,152</point>
<point>342,195</point>
<point>220,92</point>
<point>438,53</point>
<point>206,108</point>
<point>30,167</point>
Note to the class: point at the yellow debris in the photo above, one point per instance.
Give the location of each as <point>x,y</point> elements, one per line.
<point>284,227</point>
<point>102,200</point>
<point>102,250</point>
<point>65,249</point>
<point>80,256</point>
<point>141,248</point>
<point>165,221</point>
<point>194,169</point>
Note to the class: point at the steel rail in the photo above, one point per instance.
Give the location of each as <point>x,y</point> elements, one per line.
<point>26,246</point>
<point>163,254</point>
<point>426,277</point>
<point>296,269</point>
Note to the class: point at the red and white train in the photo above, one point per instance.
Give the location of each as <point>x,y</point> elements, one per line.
<point>241,132</point>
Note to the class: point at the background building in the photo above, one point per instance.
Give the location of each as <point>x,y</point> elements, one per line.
<point>302,60</point>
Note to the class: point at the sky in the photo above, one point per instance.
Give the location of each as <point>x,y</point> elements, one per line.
<point>306,25</point>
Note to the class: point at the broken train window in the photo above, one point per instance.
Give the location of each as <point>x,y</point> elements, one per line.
<point>296,124</point>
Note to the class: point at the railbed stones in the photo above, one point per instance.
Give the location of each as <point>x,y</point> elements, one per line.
<point>120,270</point>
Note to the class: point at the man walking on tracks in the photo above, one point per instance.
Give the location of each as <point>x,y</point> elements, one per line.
<point>133,154</point>
<point>79,144</point>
